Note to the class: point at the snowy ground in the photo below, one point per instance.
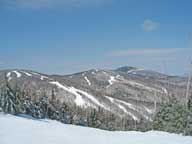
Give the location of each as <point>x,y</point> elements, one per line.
<point>20,130</point>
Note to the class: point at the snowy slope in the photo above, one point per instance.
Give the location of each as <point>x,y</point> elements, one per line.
<point>20,130</point>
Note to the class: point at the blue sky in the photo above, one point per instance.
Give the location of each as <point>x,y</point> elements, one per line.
<point>67,36</point>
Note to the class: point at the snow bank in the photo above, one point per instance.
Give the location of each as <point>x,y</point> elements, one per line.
<point>20,130</point>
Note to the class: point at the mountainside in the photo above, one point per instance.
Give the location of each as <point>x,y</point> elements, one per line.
<point>126,91</point>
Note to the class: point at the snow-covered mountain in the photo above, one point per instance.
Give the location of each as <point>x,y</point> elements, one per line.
<point>22,130</point>
<point>127,91</point>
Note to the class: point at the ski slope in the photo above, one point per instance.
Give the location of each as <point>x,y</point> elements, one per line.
<point>26,130</point>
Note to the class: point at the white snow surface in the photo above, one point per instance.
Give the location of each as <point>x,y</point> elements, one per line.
<point>133,83</point>
<point>26,130</point>
<point>18,74</point>
<point>87,80</point>
<point>111,80</point>
<point>150,111</point>
<point>119,104</point>
<point>26,73</point>
<point>134,71</point>
<point>43,77</point>
<point>92,98</point>
<point>165,90</point>
<point>78,93</point>
<point>9,76</point>
<point>79,100</point>
<point>93,72</point>
<point>35,73</point>
<point>129,113</point>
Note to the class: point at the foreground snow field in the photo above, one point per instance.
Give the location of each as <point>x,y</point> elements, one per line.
<point>20,130</point>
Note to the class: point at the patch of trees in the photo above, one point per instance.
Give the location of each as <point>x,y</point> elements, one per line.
<point>174,117</point>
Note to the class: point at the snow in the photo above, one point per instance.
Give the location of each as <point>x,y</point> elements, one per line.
<point>83,74</point>
<point>127,112</point>
<point>44,77</point>
<point>143,86</point>
<point>105,73</point>
<point>127,104</point>
<point>9,76</point>
<point>79,93</point>
<point>116,101</point>
<point>162,90</point>
<point>110,98</point>
<point>87,80</point>
<point>165,90</point>
<point>17,73</point>
<point>79,100</point>
<point>111,80</point>
<point>26,73</point>
<point>24,130</point>
<point>123,108</point>
<point>150,111</point>
<point>93,73</point>
<point>35,73</point>
<point>134,71</point>
<point>119,104</point>
<point>131,106</point>
<point>92,98</point>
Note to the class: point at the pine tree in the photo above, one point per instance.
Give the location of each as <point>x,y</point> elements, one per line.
<point>43,105</point>
<point>53,111</point>
<point>94,119</point>
<point>10,102</point>
<point>172,117</point>
<point>188,129</point>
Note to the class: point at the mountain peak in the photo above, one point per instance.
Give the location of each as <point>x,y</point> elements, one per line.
<point>126,68</point>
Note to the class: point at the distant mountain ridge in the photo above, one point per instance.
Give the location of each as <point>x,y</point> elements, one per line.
<point>126,91</point>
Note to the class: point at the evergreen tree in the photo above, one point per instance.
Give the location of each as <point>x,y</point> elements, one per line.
<point>172,117</point>
<point>54,110</point>
<point>94,121</point>
<point>188,129</point>
<point>43,105</point>
<point>10,102</point>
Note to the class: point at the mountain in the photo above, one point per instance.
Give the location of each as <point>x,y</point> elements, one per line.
<point>127,91</point>
<point>24,129</point>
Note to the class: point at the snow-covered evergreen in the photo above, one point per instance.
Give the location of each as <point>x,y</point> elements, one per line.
<point>174,117</point>
<point>9,100</point>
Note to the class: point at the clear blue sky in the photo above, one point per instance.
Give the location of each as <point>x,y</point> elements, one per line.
<point>65,36</point>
